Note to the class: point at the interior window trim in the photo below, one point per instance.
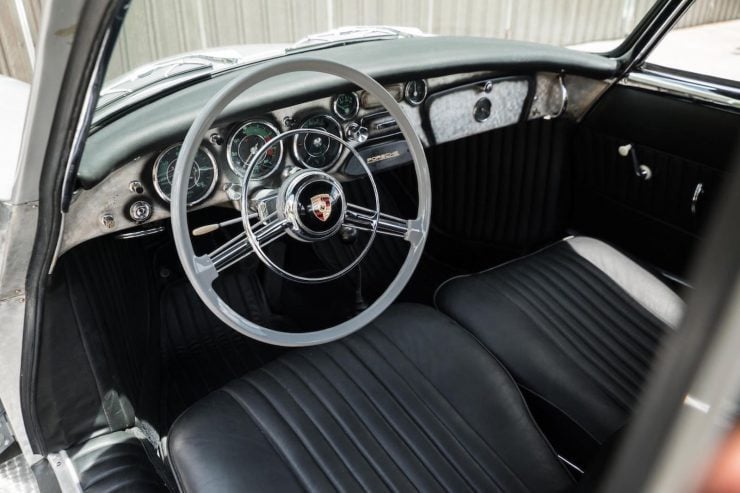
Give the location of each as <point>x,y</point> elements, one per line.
<point>658,20</point>
<point>688,85</point>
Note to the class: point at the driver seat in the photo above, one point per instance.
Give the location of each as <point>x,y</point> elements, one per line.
<point>411,402</point>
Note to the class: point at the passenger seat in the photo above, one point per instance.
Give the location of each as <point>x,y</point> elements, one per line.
<point>577,324</point>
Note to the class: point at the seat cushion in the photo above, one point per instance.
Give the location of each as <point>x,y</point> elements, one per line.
<point>577,324</point>
<point>115,462</point>
<point>412,401</point>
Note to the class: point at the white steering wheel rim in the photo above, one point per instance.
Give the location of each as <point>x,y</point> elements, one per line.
<point>201,272</point>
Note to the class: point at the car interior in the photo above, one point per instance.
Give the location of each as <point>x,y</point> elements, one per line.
<point>540,208</point>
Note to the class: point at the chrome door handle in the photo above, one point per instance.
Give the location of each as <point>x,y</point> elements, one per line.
<point>698,192</point>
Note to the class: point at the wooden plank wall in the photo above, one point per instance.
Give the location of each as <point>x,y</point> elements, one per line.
<point>18,36</point>
<point>158,28</point>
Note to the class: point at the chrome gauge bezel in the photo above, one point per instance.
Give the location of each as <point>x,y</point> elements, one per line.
<point>297,155</point>
<point>211,187</point>
<point>236,169</point>
<point>406,96</point>
<point>336,111</point>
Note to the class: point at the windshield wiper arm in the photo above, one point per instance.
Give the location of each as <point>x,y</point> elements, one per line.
<point>120,93</point>
<point>171,69</point>
<point>348,35</point>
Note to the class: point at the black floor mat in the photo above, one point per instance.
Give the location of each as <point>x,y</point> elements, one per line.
<point>199,353</point>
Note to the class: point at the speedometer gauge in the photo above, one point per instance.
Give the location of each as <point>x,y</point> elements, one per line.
<point>202,179</point>
<point>246,141</point>
<point>314,150</point>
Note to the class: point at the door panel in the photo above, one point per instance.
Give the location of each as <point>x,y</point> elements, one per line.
<point>685,145</point>
<point>503,193</point>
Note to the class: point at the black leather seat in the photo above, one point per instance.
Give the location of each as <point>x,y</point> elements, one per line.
<point>577,324</point>
<point>117,461</point>
<point>412,402</point>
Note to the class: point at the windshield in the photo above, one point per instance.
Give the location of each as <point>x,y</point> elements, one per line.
<point>249,29</point>
<point>167,43</point>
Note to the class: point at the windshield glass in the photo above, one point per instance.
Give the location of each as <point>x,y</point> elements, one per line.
<point>244,30</point>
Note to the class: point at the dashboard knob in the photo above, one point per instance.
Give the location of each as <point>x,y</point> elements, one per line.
<point>234,192</point>
<point>482,109</point>
<point>136,187</point>
<point>140,211</point>
<point>108,221</point>
<point>357,133</point>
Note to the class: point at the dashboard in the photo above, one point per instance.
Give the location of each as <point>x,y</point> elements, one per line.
<point>133,198</point>
<point>350,116</point>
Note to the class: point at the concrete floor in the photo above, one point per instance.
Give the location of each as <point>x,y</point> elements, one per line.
<point>711,49</point>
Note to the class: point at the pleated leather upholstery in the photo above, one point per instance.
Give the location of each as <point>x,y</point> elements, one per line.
<point>411,402</point>
<point>505,187</point>
<point>116,462</point>
<point>199,352</point>
<point>94,370</point>
<point>565,330</point>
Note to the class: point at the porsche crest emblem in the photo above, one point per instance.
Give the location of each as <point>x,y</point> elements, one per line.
<point>321,206</point>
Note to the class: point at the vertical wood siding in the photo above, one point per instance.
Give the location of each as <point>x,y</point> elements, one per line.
<point>158,28</point>
<point>15,60</point>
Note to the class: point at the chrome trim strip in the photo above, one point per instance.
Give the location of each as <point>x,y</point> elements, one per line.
<point>681,87</point>
<point>64,471</point>
<point>58,248</point>
<point>563,100</point>
<point>569,463</point>
<point>140,233</point>
<point>676,279</point>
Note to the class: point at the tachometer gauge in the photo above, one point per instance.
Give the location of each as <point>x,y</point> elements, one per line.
<point>346,105</point>
<point>314,150</point>
<point>246,141</point>
<point>202,179</point>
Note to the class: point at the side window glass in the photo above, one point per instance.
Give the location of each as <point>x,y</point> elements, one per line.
<point>705,41</point>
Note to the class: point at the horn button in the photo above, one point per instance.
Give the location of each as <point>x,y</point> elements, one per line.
<point>313,201</point>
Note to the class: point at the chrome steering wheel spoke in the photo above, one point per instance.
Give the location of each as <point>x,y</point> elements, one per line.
<point>239,247</point>
<point>385,224</point>
<point>313,203</point>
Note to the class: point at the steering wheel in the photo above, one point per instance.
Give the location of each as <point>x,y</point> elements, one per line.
<point>309,205</point>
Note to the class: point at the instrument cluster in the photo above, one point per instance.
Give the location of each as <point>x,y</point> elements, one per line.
<point>226,158</point>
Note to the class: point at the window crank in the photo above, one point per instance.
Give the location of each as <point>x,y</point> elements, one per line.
<point>641,170</point>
